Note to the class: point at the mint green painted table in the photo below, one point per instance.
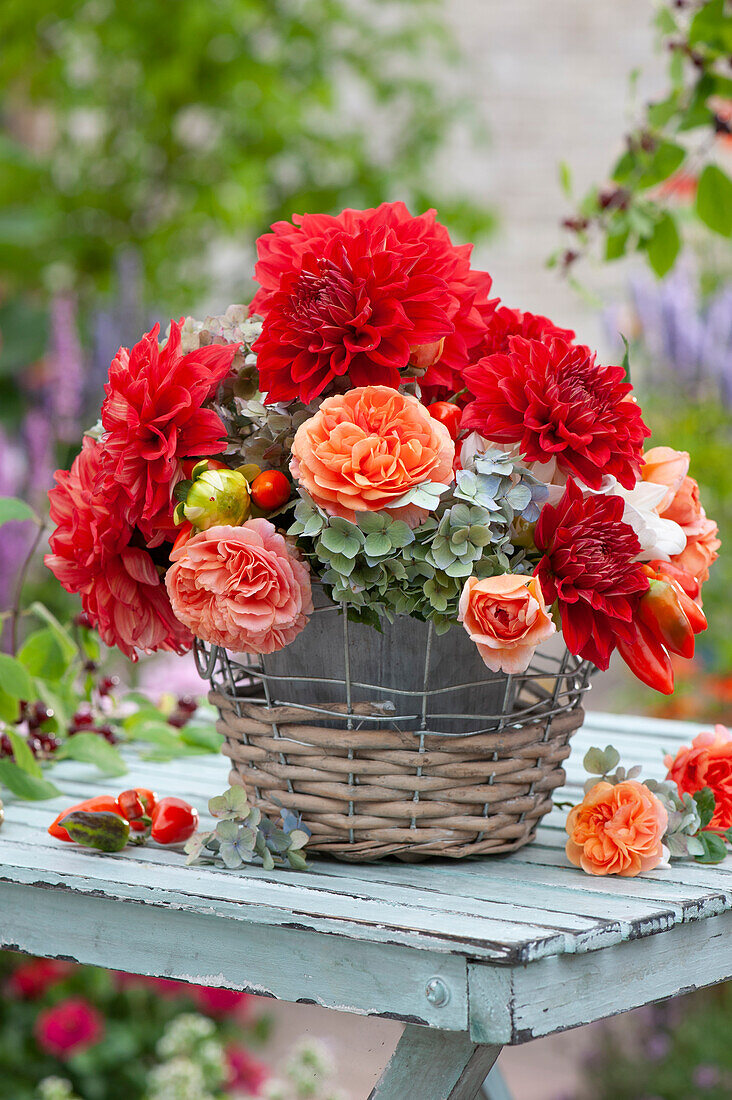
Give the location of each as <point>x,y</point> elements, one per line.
<point>471,955</point>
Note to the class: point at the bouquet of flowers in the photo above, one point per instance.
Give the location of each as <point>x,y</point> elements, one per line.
<point>375,422</point>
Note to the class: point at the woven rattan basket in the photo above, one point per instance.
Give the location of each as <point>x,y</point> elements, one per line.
<point>397,744</point>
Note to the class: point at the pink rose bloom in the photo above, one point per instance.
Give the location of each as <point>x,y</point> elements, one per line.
<point>506,617</point>
<point>242,588</point>
<point>68,1028</point>
<point>366,448</point>
<point>665,466</point>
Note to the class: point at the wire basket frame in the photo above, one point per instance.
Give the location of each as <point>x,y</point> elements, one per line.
<point>411,771</point>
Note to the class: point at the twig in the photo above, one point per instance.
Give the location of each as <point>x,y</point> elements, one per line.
<point>15,612</point>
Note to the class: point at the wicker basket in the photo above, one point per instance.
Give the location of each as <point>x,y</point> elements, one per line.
<point>409,748</point>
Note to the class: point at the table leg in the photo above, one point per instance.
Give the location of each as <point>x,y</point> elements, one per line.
<point>435,1065</point>
<point>495,1087</point>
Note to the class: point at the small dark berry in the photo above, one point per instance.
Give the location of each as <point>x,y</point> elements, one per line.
<point>178,721</point>
<point>106,684</point>
<point>6,749</point>
<point>41,713</point>
<point>82,718</point>
<point>34,744</point>
<point>188,703</point>
<point>82,619</point>
<point>107,733</point>
<point>90,666</point>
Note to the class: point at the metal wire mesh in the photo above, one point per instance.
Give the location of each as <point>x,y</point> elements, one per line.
<point>553,683</point>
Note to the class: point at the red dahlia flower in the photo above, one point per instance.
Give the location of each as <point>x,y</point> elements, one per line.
<point>153,418</point>
<point>555,401</point>
<point>353,294</point>
<point>502,323</point>
<point>588,568</point>
<point>120,587</point>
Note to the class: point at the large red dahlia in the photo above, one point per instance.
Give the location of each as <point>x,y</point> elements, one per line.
<point>588,568</point>
<point>353,294</point>
<point>120,587</point>
<point>502,323</point>
<point>153,418</point>
<point>555,401</point>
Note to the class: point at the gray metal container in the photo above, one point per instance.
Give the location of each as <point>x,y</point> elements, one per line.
<point>424,681</point>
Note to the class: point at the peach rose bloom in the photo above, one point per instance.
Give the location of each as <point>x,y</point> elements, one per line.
<point>665,466</point>
<point>708,763</point>
<point>364,449</point>
<point>617,830</point>
<point>506,617</point>
<point>242,588</point>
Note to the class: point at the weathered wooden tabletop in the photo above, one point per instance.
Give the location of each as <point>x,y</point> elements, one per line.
<point>502,949</point>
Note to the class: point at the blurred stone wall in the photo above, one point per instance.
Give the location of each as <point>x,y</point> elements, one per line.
<point>550,79</point>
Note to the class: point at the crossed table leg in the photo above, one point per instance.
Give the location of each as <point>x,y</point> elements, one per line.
<point>438,1065</point>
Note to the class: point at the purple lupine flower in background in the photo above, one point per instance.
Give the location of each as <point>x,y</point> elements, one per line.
<point>65,386</point>
<point>706,1076</point>
<point>682,331</point>
<point>40,449</point>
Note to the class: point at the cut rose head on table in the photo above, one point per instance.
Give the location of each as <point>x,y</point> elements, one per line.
<point>425,451</point>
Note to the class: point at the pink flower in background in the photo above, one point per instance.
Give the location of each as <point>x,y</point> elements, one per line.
<point>366,448</point>
<point>245,1072</point>
<point>68,1028</point>
<point>243,588</point>
<point>33,978</point>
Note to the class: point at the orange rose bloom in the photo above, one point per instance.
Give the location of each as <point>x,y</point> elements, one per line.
<point>617,830</point>
<point>364,449</point>
<point>708,763</point>
<point>665,466</point>
<point>506,617</point>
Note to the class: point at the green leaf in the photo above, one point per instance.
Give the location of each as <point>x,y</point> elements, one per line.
<point>565,178</point>
<point>23,756</point>
<point>43,655</point>
<point>8,707</point>
<point>664,245</point>
<point>13,509</point>
<point>714,200</point>
<point>25,786</point>
<point>92,749</point>
<point>203,737</point>
<point>616,244</point>
<point>14,678</point>
<point>705,804</point>
<point>715,849</point>
<point>64,638</point>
